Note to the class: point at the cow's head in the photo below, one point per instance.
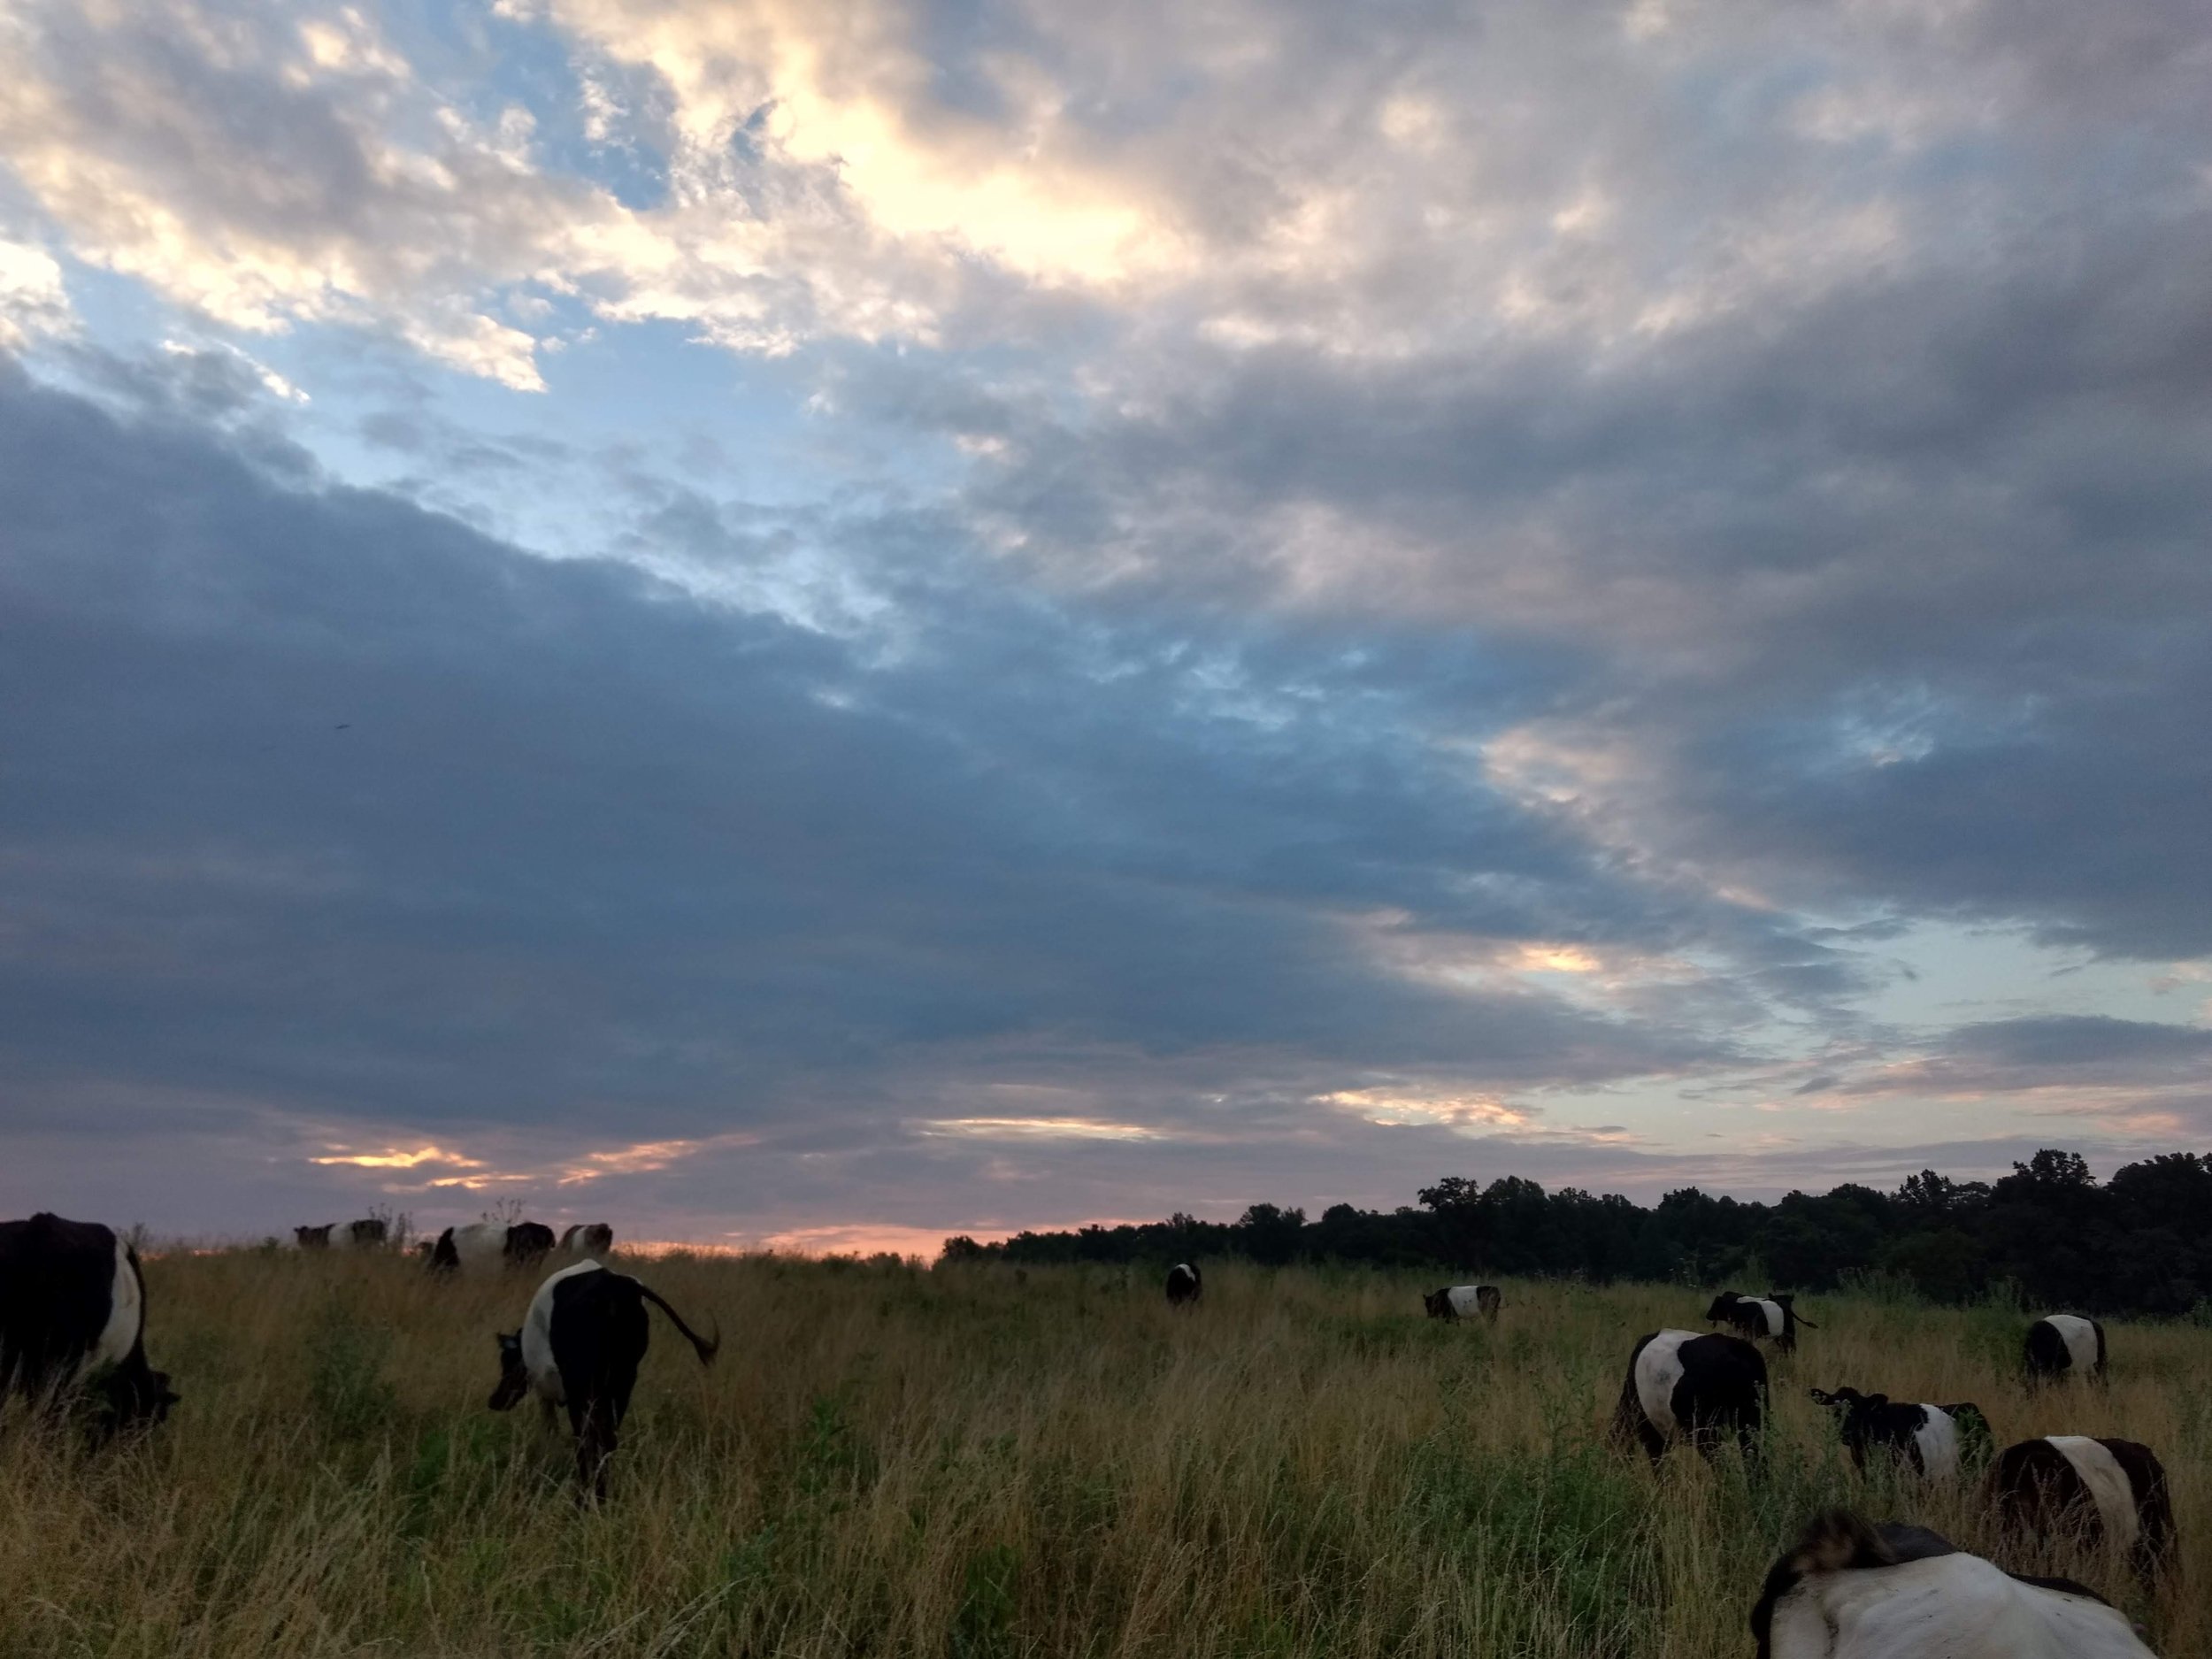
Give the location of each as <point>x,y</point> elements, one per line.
<point>1439,1302</point>
<point>514,1378</point>
<point>1724,1307</point>
<point>139,1396</point>
<point>1857,1413</point>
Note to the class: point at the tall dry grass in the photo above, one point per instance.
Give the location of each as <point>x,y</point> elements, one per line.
<point>961,1466</point>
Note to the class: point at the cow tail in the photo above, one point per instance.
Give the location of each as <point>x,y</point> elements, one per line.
<point>703,1349</point>
<point>1803,1320</point>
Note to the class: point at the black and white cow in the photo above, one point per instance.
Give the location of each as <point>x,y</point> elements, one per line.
<point>578,1347</point>
<point>589,1238</point>
<point>2063,1345</point>
<point>2113,1492</point>
<point>1936,1440</point>
<point>72,1305</point>
<point>1183,1285</point>
<point>1762,1318</point>
<point>1463,1302</point>
<point>359,1235</point>
<point>1852,1590</point>
<point>483,1244</point>
<point>1685,1386</point>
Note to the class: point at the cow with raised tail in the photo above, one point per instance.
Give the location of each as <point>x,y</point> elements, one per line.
<point>1851,1590</point>
<point>73,1306</point>
<point>578,1347</point>
<point>2064,1345</point>
<point>1761,1318</point>
<point>1936,1440</point>
<point>1184,1284</point>
<point>1685,1386</point>
<point>2104,1491</point>
<point>1464,1301</point>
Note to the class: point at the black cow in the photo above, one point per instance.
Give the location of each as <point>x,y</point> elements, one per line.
<point>1456,1301</point>
<point>72,1303</point>
<point>1851,1590</point>
<point>1183,1285</point>
<point>481,1243</point>
<point>2103,1490</point>
<point>591,1237</point>
<point>1684,1385</point>
<point>579,1346</point>
<point>2060,1344</point>
<point>1936,1440</point>
<point>1762,1318</point>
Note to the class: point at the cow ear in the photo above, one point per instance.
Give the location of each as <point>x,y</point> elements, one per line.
<point>1821,1397</point>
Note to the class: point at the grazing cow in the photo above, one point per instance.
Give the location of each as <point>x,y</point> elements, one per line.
<point>1851,1590</point>
<point>1935,1440</point>
<point>1463,1301</point>
<point>313,1238</point>
<point>1683,1385</point>
<point>1760,1317</point>
<point>2103,1490</point>
<point>1183,1284</point>
<point>482,1244</point>
<point>2063,1344</point>
<point>579,1346</point>
<point>72,1303</point>
<point>591,1237</point>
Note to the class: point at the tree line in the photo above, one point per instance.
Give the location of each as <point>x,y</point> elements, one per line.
<point>2140,1243</point>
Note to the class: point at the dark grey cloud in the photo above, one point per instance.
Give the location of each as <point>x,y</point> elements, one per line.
<point>327,808</point>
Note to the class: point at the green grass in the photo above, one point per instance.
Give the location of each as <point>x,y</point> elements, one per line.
<point>956,1465</point>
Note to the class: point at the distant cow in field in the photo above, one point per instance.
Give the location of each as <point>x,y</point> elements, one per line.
<point>1462,1302</point>
<point>578,1347</point>
<point>2064,1344</point>
<point>590,1237</point>
<point>359,1235</point>
<point>1682,1385</point>
<point>1768,1318</point>
<point>483,1244</point>
<point>1183,1285</point>
<point>2103,1490</point>
<point>1936,1440</point>
<point>1852,1590</point>
<point>73,1304</point>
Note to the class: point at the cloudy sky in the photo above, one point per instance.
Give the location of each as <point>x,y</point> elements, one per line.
<point>838,623</point>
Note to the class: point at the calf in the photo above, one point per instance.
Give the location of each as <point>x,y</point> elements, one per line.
<point>72,1303</point>
<point>482,1244</point>
<point>2106,1491</point>
<point>594,1238</point>
<point>578,1347</point>
<point>1851,1590</point>
<point>1771,1317</point>
<point>1461,1300</point>
<point>2064,1344</point>
<point>1934,1439</point>
<point>1183,1284</point>
<point>1684,1385</point>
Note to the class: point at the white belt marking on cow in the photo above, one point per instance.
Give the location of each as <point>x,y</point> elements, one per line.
<point>2081,1339</point>
<point>2108,1483</point>
<point>537,1336</point>
<point>1946,1607</point>
<point>127,1312</point>
<point>1658,1370</point>
<point>1776,1323</point>
<point>1938,1441</point>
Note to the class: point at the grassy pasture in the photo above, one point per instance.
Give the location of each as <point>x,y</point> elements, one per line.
<point>960,1465</point>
